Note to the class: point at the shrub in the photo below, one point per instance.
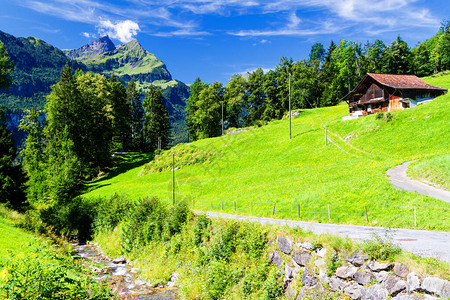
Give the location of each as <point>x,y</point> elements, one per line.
<point>110,212</point>
<point>178,216</point>
<point>273,287</point>
<point>389,117</point>
<point>254,279</point>
<point>219,278</point>
<point>43,274</point>
<point>200,231</point>
<point>379,116</point>
<point>381,247</point>
<point>335,262</point>
<point>253,239</point>
<point>146,223</point>
<point>225,244</point>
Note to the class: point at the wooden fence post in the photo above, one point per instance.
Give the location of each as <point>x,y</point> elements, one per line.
<point>274,208</point>
<point>234,206</point>
<point>222,205</point>
<point>367,218</point>
<point>329,215</point>
<point>211,205</point>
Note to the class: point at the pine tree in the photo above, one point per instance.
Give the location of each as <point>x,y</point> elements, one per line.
<point>137,117</point>
<point>157,126</point>
<point>121,114</point>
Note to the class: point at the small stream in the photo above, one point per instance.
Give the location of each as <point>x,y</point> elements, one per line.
<point>127,282</point>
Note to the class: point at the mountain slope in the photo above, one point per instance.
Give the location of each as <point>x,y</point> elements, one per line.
<point>248,173</point>
<point>38,65</point>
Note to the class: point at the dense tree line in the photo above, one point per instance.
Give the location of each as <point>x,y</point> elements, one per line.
<point>320,80</point>
<point>87,117</point>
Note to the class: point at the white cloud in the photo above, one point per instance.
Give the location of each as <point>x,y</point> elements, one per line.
<point>89,35</point>
<point>124,31</point>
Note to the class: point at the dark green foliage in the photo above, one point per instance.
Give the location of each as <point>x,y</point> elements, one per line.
<point>397,58</point>
<point>138,142</point>
<point>5,68</point>
<point>121,116</point>
<point>11,176</point>
<point>178,216</point>
<point>254,278</point>
<point>335,262</point>
<point>157,125</point>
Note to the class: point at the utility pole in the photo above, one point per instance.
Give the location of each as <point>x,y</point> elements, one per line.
<point>222,117</point>
<point>290,115</point>
<point>173,178</point>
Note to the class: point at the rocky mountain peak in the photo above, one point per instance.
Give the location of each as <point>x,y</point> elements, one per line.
<point>93,49</point>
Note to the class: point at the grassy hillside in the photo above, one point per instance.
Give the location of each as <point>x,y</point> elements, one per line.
<point>258,168</point>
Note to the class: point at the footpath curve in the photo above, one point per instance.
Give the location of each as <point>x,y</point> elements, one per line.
<point>400,180</point>
<point>424,243</point>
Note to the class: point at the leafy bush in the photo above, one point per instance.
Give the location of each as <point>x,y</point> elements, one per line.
<point>253,239</point>
<point>389,117</point>
<point>200,231</point>
<point>254,278</point>
<point>43,274</point>
<point>112,211</point>
<point>219,278</point>
<point>225,244</point>
<point>381,247</point>
<point>379,116</point>
<point>334,263</point>
<point>146,223</point>
<point>178,216</point>
<point>273,287</point>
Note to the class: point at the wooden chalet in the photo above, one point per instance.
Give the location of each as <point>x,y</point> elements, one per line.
<point>387,92</point>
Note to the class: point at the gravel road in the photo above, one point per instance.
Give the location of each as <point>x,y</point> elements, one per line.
<point>424,243</point>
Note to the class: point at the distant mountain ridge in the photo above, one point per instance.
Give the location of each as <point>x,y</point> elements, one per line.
<point>38,65</point>
<point>92,49</point>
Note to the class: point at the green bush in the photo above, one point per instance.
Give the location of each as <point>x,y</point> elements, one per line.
<point>334,263</point>
<point>44,275</point>
<point>146,223</point>
<point>253,239</point>
<point>177,218</point>
<point>200,231</point>
<point>379,116</point>
<point>254,278</point>
<point>110,212</point>
<point>273,287</point>
<point>389,117</point>
<point>225,244</point>
<point>219,278</point>
<point>381,247</point>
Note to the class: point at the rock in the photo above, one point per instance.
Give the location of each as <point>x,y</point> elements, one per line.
<point>276,259</point>
<point>438,286</point>
<point>306,245</point>
<point>284,244</point>
<point>374,292</point>
<point>337,284</point>
<point>412,282</point>
<point>323,278</point>
<point>377,267</point>
<point>353,291</point>
<point>393,284</point>
<point>381,276</point>
<point>309,279</point>
<point>289,273</point>
<point>301,294</point>
<point>400,270</point>
<point>290,292</point>
<point>404,296</point>
<point>320,263</point>
<point>301,258</point>
<point>120,260</point>
<point>357,258</point>
<point>363,278</point>
<point>346,272</point>
<point>321,252</point>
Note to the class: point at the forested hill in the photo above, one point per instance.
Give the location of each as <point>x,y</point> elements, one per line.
<point>38,65</point>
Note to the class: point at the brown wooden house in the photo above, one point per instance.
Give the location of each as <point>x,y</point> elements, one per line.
<point>387,92</point>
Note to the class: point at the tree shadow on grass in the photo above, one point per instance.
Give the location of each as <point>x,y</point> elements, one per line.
<point>122,164</point>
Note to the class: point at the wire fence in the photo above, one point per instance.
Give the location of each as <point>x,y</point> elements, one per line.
<point>402,216</point>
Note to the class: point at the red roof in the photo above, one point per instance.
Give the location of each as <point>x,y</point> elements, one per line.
<point>403,81</point>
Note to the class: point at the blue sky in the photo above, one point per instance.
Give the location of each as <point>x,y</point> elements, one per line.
<point>214,39</point>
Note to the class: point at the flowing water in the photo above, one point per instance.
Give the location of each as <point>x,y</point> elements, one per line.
<point>124,278</point>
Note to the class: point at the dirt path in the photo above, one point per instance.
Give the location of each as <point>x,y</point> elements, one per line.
<point>399,179</point>
<point>424,243</point>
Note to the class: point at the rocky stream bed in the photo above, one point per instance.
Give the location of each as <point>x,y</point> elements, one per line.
<point>124,277</point>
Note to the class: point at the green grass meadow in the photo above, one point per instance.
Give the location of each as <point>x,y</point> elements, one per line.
<point>306,179</point>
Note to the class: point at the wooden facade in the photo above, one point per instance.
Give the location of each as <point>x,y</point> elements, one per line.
<point>386,92</point>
